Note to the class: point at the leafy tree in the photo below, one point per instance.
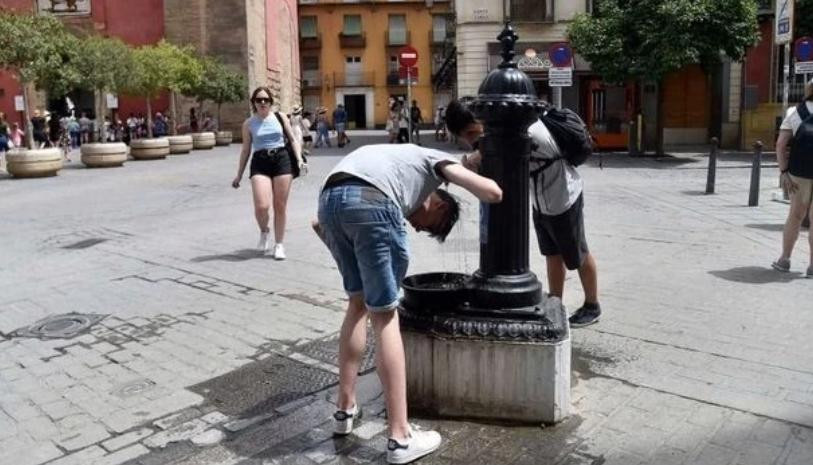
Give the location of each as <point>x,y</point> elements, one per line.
<point>38,48</point>
<point>184,72</point>
<point>106,65</point>
<point>220,84</point>
<point>644,40</point>
<point>803,18</point>
<point>148,79</point>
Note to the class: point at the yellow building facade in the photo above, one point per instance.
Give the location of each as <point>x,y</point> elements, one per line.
<point>348,54</point>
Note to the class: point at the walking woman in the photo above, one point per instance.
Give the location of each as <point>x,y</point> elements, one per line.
<point>794,155</point>
<point>271,172</point>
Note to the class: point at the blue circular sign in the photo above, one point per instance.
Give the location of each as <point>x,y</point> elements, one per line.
<point>803,49</point>
<point>561,55</point>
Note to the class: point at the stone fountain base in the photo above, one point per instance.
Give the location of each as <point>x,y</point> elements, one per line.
<point>464,363</point>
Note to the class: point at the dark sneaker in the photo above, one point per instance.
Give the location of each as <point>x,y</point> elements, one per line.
<point>345,420</point>
<point>809,273</point>
<point>781,264</point>
<point>585,316</point>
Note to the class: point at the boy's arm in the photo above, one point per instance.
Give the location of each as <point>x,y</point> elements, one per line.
<point>482,187</point>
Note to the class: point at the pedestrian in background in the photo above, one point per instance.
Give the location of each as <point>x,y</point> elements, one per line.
<point>322,128</point>
<point>296,124</point>
<point>392,121</point>
<point>271,171</point>
<point>159,126</point>
<point>54,129</point>
<point>307,138</point>
<point>796,175</point>
<point>403,123</point>
<point>38,129</point>
<point>417,119</point>
<point>17,135</point>
<point>4,134</point>
<point>75,133</point>
<point>558,212</point>
<point>340,124</point>
<point>440,124</point>
<point>209,124</point>
<point>84,128</point>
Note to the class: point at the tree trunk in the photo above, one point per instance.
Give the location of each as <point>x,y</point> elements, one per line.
<point>100,113</point>
<point>173,112</point>
<point>659,150</point>
<point>28,127</point>
<point>217,126</point>
<point>149,118</point>
<point>637,133</point>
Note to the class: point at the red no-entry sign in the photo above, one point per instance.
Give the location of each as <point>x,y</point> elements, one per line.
<point>407,56</point>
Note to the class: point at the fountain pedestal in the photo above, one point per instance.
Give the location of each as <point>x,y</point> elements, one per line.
<point>491,345</point>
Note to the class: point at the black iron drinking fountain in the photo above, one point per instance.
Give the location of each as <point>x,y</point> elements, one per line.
<point>491,344</point>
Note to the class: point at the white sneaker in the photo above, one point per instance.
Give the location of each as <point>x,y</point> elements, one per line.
<point>345,420</point>
<point>279,252</point>
<point>262,246</point>
<point>420,443</point>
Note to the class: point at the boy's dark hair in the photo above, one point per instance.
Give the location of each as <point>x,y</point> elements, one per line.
<point>452,214</point>
<point>458,117</point>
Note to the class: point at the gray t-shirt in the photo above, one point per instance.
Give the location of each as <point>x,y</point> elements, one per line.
<point>555,188</point>
<point>406,173</point>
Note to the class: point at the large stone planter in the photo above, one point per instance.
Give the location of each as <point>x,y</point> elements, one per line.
<point>104,155</point>
<point>22,163</point>
<point>203,140</point>
<point>223,138</point>
<point>180,144</point>
<point>149,149</point>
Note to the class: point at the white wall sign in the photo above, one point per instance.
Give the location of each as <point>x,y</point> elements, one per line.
<point>803,67</point>
<point>784,21</point>
<point>480,14</point>
<point>560,77</point>
<point>112,101</point>
<point>19,103</point>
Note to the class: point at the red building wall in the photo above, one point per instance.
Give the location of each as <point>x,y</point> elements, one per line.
<point>9,85</point>
<point>135,22</point>
<point>758,63</point>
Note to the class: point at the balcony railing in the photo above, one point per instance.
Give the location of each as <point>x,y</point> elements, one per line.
<point>437,38</point>
<point>352,41</point>
<point>311,81</point>
<point>363,78</point>
<point>310,43</point>
<point>393,79</point>
<point>395,38</point>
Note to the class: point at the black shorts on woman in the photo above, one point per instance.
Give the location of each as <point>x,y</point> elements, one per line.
<point>270,163</point>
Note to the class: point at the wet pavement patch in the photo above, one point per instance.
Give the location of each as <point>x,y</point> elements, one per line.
<point>327,350</point>
<point>65,326</point>
<point>584,363</point>
<point>259,387</point>
<point>133,388</point>
<point>85,244</point>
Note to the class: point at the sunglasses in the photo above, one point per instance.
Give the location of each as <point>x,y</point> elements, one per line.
<point>262,100</point>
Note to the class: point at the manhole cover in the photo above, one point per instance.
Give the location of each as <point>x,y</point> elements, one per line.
<point>259,387</point>
<point>84,244</point>
<point>133,388</point>
<point>64,326</point>
<point>327,350</point>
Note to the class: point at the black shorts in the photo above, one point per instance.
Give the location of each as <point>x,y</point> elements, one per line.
<point>307,139</point>
<point>563,235</point>
<point>271,163</point>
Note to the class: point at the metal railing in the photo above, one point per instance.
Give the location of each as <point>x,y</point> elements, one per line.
<point>352,41</point>
<point>363,78</point>
<point>306,43</point>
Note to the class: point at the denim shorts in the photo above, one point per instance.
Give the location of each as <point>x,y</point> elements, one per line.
<point>366,234</point>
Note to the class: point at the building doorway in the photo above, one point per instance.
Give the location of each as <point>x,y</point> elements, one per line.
<point>355,106</point>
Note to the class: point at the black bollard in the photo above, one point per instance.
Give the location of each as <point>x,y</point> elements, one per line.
<point>756,169</point>
<point>712,174</point>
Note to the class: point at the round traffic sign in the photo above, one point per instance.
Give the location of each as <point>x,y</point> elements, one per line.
<point>803,49</point>
<point>407,56</point>
<point>561,55</point>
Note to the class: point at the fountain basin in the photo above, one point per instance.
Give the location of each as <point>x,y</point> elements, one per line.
<point>428,291</point>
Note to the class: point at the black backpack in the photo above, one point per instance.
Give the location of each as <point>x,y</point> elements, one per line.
<point>801,162</point>
<point>570,134</point>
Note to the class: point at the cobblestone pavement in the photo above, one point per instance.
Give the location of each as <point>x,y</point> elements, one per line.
<point>209,353</point>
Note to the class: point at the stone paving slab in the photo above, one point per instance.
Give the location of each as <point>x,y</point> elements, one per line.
<point>702,356</point>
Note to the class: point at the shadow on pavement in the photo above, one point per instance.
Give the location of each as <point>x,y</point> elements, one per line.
<point>755,275</point>
<point>767,226</point>
<point>694,193</point>
<point>624,160</point>
<point>236,256</point>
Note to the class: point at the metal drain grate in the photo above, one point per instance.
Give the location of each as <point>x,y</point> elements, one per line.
<point>65,326</point>
<point>259,387</point>
<point>327,350</point>
<point>84,244</point>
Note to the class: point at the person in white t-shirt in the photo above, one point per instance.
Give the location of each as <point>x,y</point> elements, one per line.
<point>796,175</point>
<point>558,216</point>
